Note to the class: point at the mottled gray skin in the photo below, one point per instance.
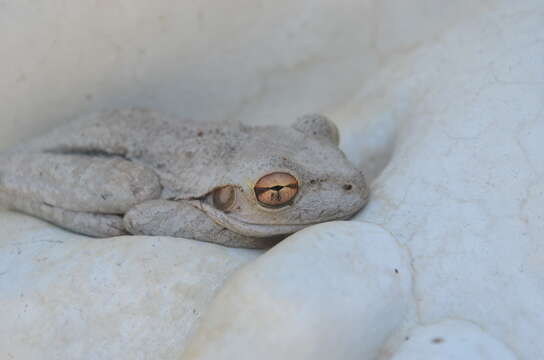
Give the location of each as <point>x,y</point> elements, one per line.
<point>139,172</point>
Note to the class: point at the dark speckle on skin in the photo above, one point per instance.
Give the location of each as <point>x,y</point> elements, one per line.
<point>437,340</point>
<point>396,271</point>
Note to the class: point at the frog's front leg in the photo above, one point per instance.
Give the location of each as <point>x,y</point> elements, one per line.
<point>181,219</point>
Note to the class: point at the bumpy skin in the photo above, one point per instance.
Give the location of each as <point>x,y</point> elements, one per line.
<point>139,172</point>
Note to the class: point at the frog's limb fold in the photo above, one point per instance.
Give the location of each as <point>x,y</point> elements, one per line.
<point>80,183</point>
<point>181,219</point>
<point>97,225</point>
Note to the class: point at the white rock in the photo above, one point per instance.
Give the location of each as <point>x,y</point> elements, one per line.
<point>332,291</point>
<point>464,189</point>
<point>452,340</point>
<point>64,296</point>
<point>450,93</point>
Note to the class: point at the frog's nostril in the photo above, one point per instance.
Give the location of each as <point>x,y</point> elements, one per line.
<point>347,187</point>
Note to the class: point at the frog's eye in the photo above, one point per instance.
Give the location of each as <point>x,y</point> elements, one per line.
<point>223,197</point>
<point>276,189</point>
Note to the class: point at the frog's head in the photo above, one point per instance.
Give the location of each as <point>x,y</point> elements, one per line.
<point>286,178</point>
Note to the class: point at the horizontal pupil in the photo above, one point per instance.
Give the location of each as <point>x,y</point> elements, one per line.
<point>276,188</point>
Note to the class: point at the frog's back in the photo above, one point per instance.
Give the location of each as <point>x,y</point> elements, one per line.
<point>188,155</point>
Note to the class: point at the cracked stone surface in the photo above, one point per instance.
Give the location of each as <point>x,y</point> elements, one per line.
<point>463,189</point>
<point>440,103</point>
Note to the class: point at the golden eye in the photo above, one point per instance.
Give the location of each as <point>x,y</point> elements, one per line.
<point>223,198</point>
<point>276,189</point>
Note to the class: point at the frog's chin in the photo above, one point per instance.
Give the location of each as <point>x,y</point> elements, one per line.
<point>248,229</point>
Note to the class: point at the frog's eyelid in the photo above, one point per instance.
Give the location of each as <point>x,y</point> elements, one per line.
<point>224,197</point>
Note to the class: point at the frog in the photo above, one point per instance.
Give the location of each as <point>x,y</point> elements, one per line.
<point>140,172</point>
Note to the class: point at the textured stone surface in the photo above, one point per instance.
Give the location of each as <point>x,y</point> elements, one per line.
<point>452,340</point>
<point>65,296</point>
<point>463,190</point>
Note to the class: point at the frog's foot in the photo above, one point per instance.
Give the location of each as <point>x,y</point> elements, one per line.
<point>86,194</point>
<point>181,219</point>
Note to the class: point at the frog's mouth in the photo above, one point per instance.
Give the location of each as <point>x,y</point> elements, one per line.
<point>245,228</point>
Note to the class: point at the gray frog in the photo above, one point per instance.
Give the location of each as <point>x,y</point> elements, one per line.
<point>138,172</point>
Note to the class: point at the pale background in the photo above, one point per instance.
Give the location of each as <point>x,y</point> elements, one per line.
<point>255,61</point>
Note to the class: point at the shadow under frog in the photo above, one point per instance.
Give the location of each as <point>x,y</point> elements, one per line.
<point>138,172</point>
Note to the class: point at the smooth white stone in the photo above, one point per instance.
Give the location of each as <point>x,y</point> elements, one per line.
<point>332,291</point>
<point>451,340</point>
<point>64,296</point>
